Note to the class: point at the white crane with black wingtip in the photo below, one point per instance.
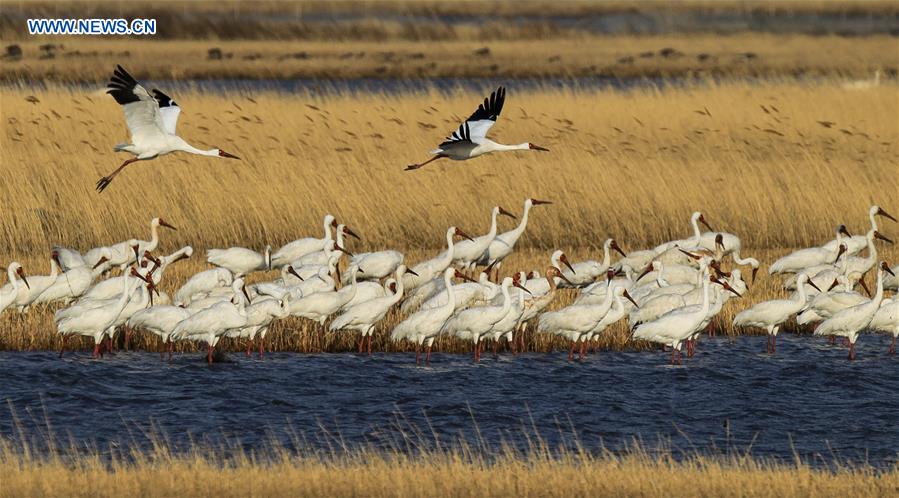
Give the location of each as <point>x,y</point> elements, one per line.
<point>470,140</point>
<point>151,119</point>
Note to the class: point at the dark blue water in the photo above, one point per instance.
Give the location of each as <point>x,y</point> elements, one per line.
<point>807,400</point>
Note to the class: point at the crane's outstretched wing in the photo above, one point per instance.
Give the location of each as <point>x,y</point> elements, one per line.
<point>475,128</point>
<point>168,110</point>
<point>141,110</point>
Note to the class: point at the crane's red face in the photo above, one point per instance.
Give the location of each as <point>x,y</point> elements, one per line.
<point>347,231</point>
<point>460,233</point>
<point>564,259</point>
<point>552,271</point>
<point>227,155</point>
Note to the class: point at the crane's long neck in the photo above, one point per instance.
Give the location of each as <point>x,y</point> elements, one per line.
<point>451,296</point>
<point>327,227</point>
<point>507,301</point>
<point>878,295</point>
<point>524,221</point>
<point>872,216</point>
<point>872,250</point>
<point>492,233</point>
<point>154,237</point>
<point>801,294</point>
<point>706,304</point>
<point>11,274</point>
<point>496,147</point>
<point>186,147</point>
<point>54,268</point>
<point>697,234</point>
<point>606,256</point>
<point>448,255</point>
<point>400,289</point>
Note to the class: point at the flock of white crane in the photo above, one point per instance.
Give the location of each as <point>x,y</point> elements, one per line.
<point>669,294</point>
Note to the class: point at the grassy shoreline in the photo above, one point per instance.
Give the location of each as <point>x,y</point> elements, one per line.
<point>444,471</point>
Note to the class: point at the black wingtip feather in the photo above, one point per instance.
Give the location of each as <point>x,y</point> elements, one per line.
<point>163,99</point>
<point>121,86</point>
<point>492,106</point>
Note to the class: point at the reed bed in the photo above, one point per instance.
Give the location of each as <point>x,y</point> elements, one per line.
<point>450,470</point>
<point>779,163</point>
<point>89,60</point>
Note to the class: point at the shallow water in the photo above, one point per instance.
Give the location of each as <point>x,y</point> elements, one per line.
<point>808,399</point>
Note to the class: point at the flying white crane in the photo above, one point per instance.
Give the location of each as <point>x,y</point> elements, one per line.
<point>467,252</point>
<point>364,316</point>
<point>769,315</point>
<point>850,321</point>
<point>856,243</point>
<point>470,140</point>
<point>240,261</point>
<point>503,244</point>
<point>152,121</point>
<point>424,325</point>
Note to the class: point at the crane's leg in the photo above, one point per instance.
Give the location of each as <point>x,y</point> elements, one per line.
<point>106,180</point>
<point>361,341</point>
<point>851,350</point>
<point>369,344</point>
<point>892,350</point>
<point>571,351</point>
<point>209,349</point>
<point>171,349</point>
<point>96,354</point>
<point>262,348</point>
<point>65,338</point>
<point>428,356</point>
<point>417,354</point>
<point>416,166</point>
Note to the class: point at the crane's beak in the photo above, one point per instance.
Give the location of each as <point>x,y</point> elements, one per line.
<point>629,298</point>
<point>563,277</point>
<point>881,212</point>
<point>460,233</point>
<point>294,273</point>
<point>810,282</point>
<point>225,154</point>
<point>518,284</point>
<point>351,233</point>
<point>537,147</point>
<point>537,202</point>
<point>834,284</point>
<point>614,245</point>
<point>21,273</point>
<point>245,294</point>
<point>688,253</point>
<point>410,272</point>
<point>755,272</point>
<point>100,262</point>
<point>564,259</point>
<point>166,224</point>
<point>506,213</point>
<point>886,268</point>
<point>877,235</point>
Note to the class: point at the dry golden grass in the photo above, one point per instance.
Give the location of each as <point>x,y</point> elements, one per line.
<point>438,472</point>
<point>86,59</point>
<point>631,165</point>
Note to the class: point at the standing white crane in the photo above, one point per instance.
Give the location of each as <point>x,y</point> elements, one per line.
<point>887,320</point>
<point>26,296</point>
<point>431,268</point>
<point>160,320</point>
<point>856,243</point>
<point>95,322</point>
<point>320,305</point>
<point>850,321</point>
<point>240,261</point>
<point>467,252</point>
<point>676,326</point>
<point>472,323</point>
<point>260,315</point>
<point>690,243</point>
<point>364,316</point>
<point>200,284</point>
<point>503,244</point>
<point>857,267</point>
<point>374,265</point>
<point>470,140</point>
<point>424,325</point>
<point>584,273</point>
<point>799,260</point>
<point>10,291</point>
<point>152,121</point>
<point>769,315</point>
<point>210,324</point>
